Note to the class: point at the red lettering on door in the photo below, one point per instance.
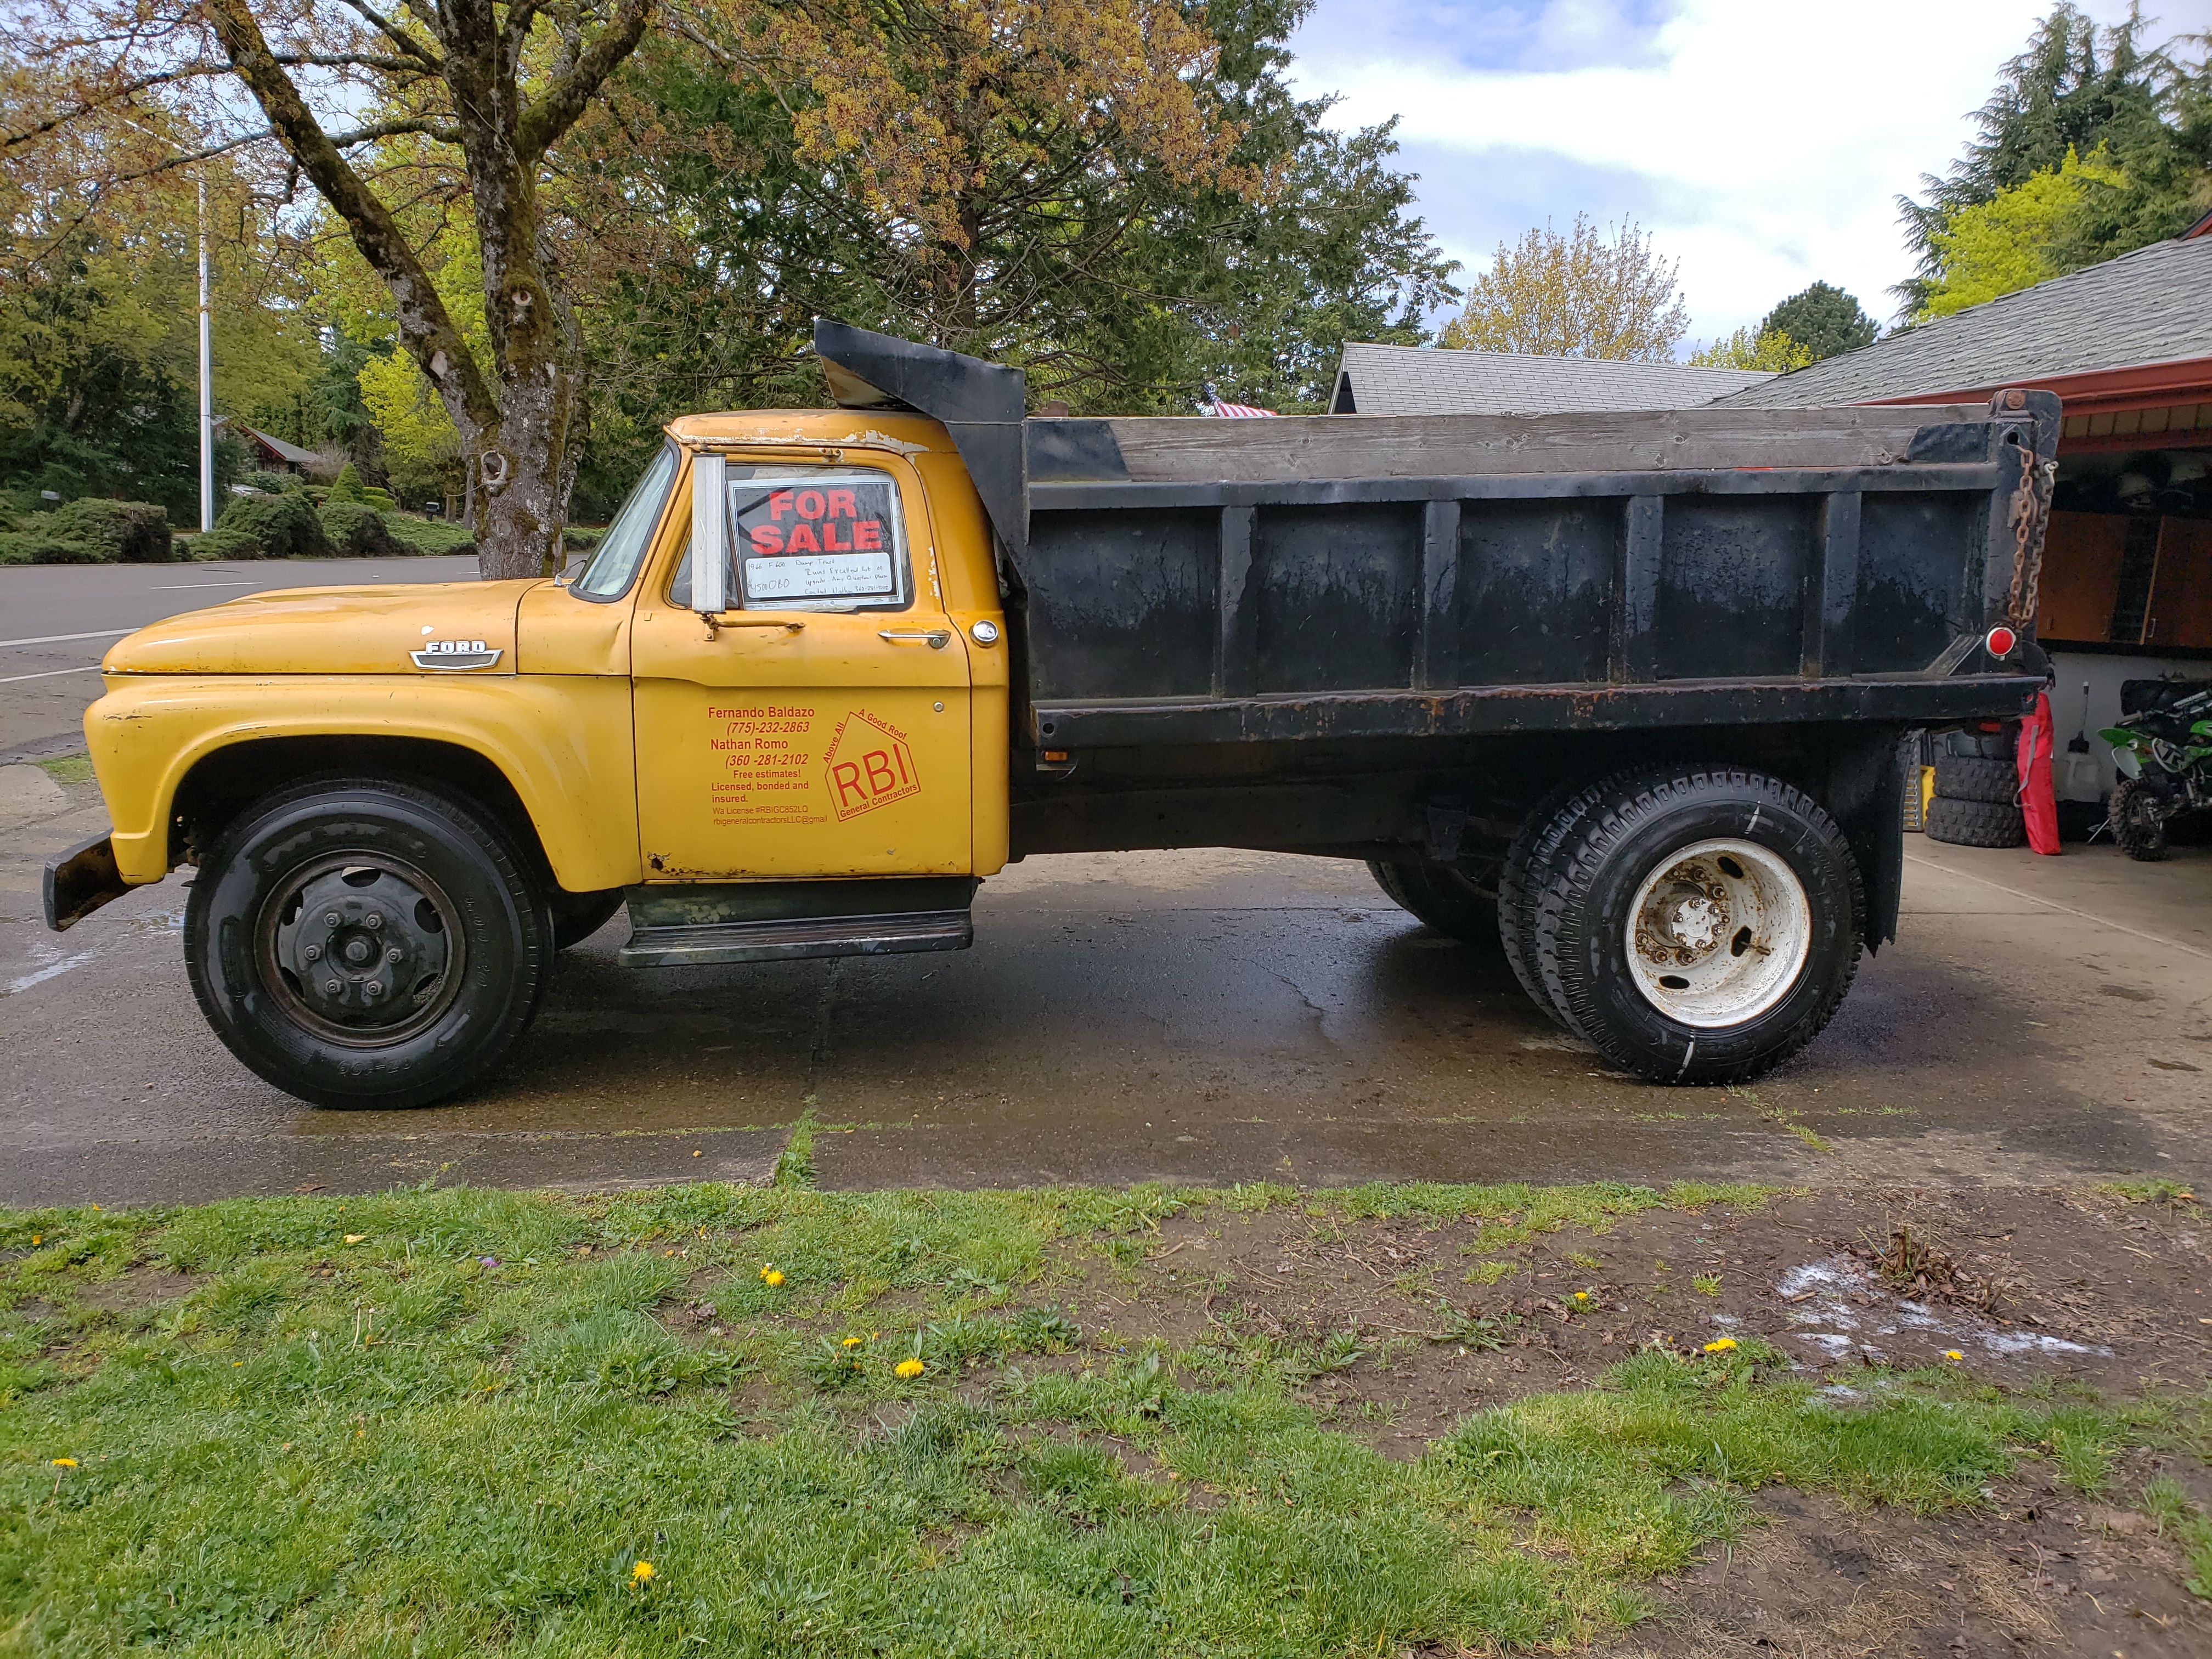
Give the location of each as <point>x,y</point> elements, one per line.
<point>767,539</point>
<point>842,505</point>
<point>779,503</point>
<point>868,534</point>
<point>802,540</point>
<point>829,542</point>
<point>805,497</point>
<point>845,779</point>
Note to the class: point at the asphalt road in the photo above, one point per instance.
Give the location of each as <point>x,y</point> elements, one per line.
<point>56,621</point>
<point>1194,1017</point>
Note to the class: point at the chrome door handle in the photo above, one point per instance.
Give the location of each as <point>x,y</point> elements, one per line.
<point>936,638</point>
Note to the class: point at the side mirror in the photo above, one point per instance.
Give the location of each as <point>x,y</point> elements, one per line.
<point>710,539</point>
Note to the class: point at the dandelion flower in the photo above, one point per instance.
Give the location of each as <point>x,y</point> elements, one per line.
<point>909,1368</point>
<point>852,1342</point>
<point>1953,1355</point>
<point>771,1277</point>
<point>36,1238</point>
<point>641,1572</point>
<point>1722,1346</point>
<point>63,1462</point>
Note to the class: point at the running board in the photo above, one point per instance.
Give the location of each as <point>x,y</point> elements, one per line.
<point>693,925</point>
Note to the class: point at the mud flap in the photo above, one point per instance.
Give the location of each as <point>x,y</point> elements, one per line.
<point>80,881</point>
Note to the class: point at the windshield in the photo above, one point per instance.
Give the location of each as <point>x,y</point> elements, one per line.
<point>608,574</point>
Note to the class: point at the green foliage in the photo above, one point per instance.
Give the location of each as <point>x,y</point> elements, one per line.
<point>346,487</point>
<point>280,526</point>
<point>1579,293</point>
<point>2016,239</point>
<point>415,535</point>
<point>129,532</point>
<point>1824,320</point>
<point>2094,93</point>
<point>354,530</point>
<point>269,484</point>
<point>221,543</point>
<point>1769,351</point>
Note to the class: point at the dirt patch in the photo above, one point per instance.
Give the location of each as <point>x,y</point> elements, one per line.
<point>2035,1572</point>
<point>2011,1285</point>
<point>141,1287</point>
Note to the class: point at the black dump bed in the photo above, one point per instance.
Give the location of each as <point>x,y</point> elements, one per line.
<point>1192,582</point>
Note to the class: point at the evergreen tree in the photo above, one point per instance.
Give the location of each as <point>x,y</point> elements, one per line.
<point>1823,319</point>
<point>2143,112</point>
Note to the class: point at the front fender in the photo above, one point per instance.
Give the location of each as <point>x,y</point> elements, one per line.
<point>561,741</point>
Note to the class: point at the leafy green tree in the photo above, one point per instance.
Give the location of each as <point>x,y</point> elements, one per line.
<point>1824,320</point>
<point>1580,295</point>
<point>2016,239</point>
<point>1766,350</point>
<point>2097,94</point>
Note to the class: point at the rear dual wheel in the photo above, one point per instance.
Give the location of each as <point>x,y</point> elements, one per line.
<point>1694,926</point>
<point>1439,894</point>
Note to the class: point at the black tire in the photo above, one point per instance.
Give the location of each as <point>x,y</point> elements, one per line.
<point>1523,876</point>
<point>1975,823</point>
<point>1980,746</point>
<point>405,1018</point>
<point>1632,834</point>
<point>1996,782</point>
<point>1439,895</point>
<point>577,916</point>
<point>2139,815</point>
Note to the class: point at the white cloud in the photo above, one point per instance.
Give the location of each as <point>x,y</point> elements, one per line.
<point>1763,140</point>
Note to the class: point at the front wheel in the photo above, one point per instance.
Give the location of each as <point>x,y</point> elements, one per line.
<point>364,943</point>
<point>1699,926</point>
<point>2138,816</point>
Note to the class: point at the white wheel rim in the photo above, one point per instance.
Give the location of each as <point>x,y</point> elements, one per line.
<point>1718,933</point>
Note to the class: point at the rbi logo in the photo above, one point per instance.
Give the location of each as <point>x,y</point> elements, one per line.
<point>869,765</point>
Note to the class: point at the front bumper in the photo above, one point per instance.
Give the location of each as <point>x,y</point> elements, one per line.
<point>80,881</point>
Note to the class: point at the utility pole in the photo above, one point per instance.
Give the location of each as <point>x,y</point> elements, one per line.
<point>207,382</point>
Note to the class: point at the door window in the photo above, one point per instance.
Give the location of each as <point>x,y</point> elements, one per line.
<point>812,539</point>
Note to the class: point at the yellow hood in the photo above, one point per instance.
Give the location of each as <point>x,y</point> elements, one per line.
<point>335,630</point>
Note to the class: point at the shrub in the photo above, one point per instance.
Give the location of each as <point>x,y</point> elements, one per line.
<point>430,535</point>
<point>355,530</point>
<point>347,485</point>
<point>379,499</point>
<point>134,533</point>
<point>38,547</point>
<point>221,543</point>
<point>284,527</point>
<point>270,484</point>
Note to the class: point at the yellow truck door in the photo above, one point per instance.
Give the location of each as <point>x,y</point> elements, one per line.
<point>818,724</point>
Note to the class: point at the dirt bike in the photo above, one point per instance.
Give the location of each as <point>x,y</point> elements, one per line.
<point>2163,749</point>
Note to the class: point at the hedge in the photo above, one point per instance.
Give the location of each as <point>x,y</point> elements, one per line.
<point>279,526</point>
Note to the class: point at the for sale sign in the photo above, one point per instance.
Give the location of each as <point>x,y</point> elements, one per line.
<point>831,540</point>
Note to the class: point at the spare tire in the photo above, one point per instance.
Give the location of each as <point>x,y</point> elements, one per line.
<point>1961,777</point>
<point>1975,823</point>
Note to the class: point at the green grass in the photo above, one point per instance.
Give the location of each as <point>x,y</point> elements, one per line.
<point>69,769</point>
<point>443,1422</point>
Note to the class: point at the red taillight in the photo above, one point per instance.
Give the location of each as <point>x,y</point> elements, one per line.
<point>2000,641</point>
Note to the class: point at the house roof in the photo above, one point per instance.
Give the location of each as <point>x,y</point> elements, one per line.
<point>1387,380</point>
<point>277,446</point>
<point>2154,305</point>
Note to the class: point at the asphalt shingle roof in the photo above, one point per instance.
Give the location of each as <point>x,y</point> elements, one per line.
<point>2154,305</point>
<point>1389,380</point>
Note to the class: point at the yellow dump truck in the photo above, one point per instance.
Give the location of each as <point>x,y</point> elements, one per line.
<point>1620,695</point>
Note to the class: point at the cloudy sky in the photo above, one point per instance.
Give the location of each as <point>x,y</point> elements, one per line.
<point>1763,141</point>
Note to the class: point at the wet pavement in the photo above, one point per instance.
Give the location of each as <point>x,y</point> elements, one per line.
<point>1210,1017</point>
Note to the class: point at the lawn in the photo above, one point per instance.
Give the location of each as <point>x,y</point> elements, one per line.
<point>777,1421</point>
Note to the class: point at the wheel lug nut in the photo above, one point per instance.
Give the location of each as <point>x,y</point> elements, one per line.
<point>314,953</point>
<point>392,955</point>
<point>372,920</point>
<point>330,919</point>
<point>331,988</point>
<point>374,989</point>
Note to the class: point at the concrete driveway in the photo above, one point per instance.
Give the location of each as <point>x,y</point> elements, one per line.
<point>1195,1017</point>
